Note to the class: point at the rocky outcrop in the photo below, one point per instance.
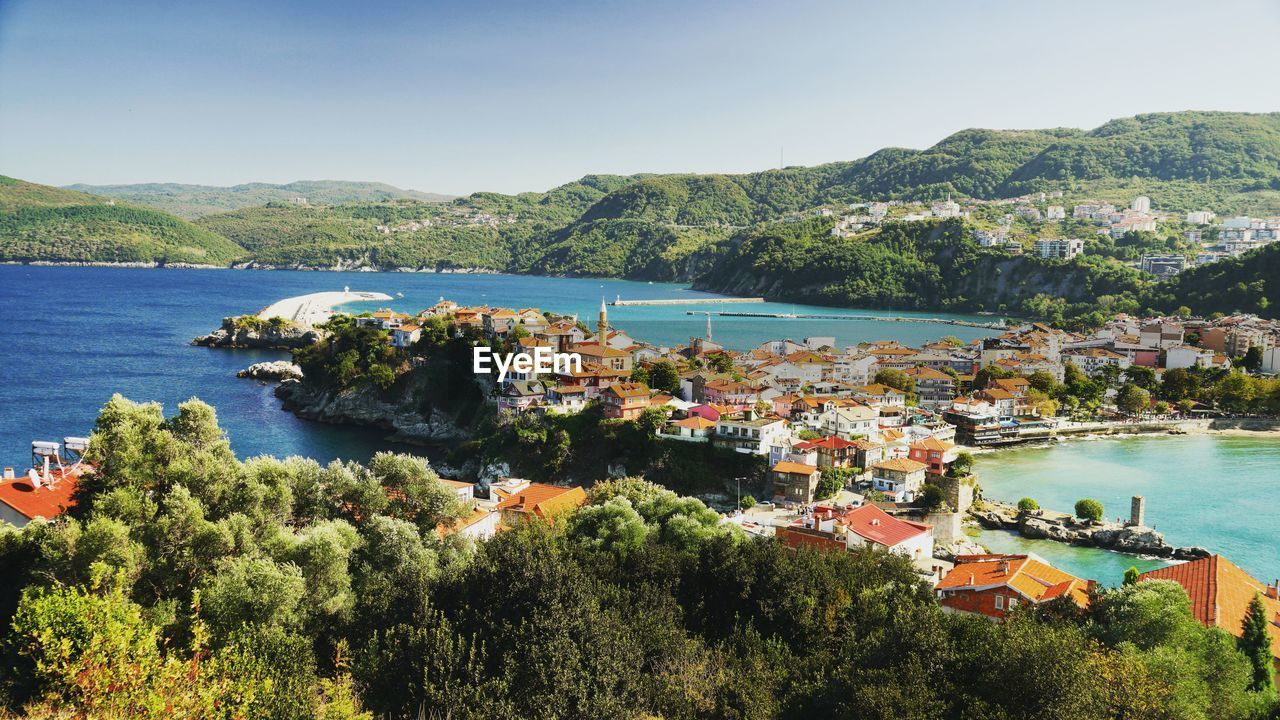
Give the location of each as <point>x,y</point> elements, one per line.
<point>1044,525</point>
<point>277,370</point>
<point>365,405</point>
<point>250,331</point>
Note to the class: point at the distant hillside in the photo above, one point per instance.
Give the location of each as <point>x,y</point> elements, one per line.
<point>39,222</point>
<point>727,232</point>
<point>1248,283</point>
<point>912,266</point>
<point>194,201</point>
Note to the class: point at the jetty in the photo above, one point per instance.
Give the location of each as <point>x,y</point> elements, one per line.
<point>690,301</point>
<point>313,309</point>
<point>878,318</point>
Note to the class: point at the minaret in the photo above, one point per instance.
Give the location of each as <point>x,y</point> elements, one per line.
<point>708,326</point>
<point>602,327</point>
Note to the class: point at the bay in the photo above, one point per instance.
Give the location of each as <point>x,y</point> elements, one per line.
<point>1221,492</point>
<point>72,336</point>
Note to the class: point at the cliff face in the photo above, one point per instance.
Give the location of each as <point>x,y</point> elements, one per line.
<point>368,406</point>
<point>250,332</point>
<point>438,401</point>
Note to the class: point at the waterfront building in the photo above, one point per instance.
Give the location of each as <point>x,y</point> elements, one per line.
<point>995,585</point>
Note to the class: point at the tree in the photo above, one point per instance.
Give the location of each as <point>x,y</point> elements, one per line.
<point>896,379</point>
<point>962,466</point>
<point>830,482</point>
<point>748,502</point>
<point>1131,576</point>
<point>931,497</point>
<point>984,376</point>
<point>1027,504</point>
<point>1252,359</point>
<point>1133,399</point>
<point>664,376</point>
<point>1255,643</point>
<point>640,374</point>
<point>1089,509</point>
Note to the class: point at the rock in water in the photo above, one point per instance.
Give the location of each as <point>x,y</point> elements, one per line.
<point>278,370</point>
<point>251,331</point>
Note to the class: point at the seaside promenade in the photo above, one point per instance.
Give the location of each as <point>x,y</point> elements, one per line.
<point>315,308</point>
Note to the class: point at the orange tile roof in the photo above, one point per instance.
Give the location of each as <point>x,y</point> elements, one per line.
<point>1032,578</point>
<point>628,389</point>
<point>931,443</point>
<point>900,465</point>
<point>45,501</point>
<point>794,468</point>
<point>543,500</point>
<point>695,422</point>
<point>1220,594</point>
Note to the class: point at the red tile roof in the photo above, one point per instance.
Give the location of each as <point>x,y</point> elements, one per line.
<point>875,525</point>
<point>1220,594</point>
<point>1031,577</point>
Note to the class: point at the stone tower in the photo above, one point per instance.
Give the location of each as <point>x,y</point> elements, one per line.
<point>602,327</point>
<point>1138,511</point>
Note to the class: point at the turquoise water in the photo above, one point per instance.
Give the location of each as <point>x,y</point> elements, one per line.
<point>73,336</point>
<point>1221,492</point>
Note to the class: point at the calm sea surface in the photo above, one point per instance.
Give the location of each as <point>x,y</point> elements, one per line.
<point>1221,492</point>
<point>74,336</point>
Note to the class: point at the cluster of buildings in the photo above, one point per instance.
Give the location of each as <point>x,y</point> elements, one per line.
<point>452,216</point>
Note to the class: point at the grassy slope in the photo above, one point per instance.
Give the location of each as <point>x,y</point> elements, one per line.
<point>194,201</point>
<point>39,222</point>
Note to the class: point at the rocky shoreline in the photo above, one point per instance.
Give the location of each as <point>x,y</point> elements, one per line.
<point>275,370</point>
<point>235,333</point>
<point>1048,525</point>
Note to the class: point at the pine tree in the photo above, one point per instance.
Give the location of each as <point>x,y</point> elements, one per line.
<point>1255,643</point>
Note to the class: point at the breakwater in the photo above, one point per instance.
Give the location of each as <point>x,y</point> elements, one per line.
<point>878,318</point>
<point>691,301</point>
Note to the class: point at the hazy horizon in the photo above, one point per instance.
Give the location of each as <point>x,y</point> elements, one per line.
<point>510,98</point>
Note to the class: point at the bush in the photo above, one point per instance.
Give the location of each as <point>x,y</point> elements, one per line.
<point>931,497</point>
<point>1089,509</point>
<point>1027,504</point>
<point>748,502</point>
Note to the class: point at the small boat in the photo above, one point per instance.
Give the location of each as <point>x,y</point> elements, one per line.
<point>399,294</point>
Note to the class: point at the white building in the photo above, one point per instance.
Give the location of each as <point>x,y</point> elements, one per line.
<point>1055,212</point>
<point>1200,217</point>
<point>1141,204</point>
<point>1185,356</point>
<point>1062,249</point>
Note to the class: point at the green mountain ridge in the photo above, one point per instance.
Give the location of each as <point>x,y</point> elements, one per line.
<point>194,201</point>
<point>43,223</point>
<point>723,231</point>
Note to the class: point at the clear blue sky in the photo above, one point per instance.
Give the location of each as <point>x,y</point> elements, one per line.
<point>508,96</point>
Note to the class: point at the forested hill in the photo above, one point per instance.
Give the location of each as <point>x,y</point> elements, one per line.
<point>193,201</point>
<point>39,222</point>
<point>688,226</point>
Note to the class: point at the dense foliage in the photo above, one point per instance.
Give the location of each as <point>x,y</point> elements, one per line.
<point>189,584</point>
<point>43,223</point>
<point>194,201</point>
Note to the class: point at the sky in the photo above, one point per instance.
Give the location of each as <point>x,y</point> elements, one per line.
<point>524,95</point>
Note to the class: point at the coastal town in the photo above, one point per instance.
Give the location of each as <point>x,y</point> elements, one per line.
<point>1043,225</point>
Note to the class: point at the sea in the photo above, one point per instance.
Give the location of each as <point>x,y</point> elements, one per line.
<point>73,336</point>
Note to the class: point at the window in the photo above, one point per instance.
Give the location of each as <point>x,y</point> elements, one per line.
<point>999,602</point>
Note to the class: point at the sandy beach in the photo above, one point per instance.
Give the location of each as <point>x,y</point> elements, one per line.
<point>309,310</point>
